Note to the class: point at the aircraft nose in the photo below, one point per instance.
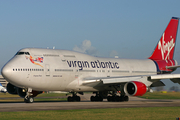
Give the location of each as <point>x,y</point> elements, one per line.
<point>6,71</point>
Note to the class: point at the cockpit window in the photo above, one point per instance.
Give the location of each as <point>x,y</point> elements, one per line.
<point>22,53</point>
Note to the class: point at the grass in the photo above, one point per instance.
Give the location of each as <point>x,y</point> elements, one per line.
<point>153,113</point>
<point>40,98</point>
<point>7,95</point>
<point>160,95</point>
<point>156,113</point>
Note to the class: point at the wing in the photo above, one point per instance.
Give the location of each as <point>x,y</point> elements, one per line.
<point>147,79</point>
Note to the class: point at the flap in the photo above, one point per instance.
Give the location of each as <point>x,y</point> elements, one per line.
<point>164,76</point>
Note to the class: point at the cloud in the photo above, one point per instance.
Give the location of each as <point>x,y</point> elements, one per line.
<point>85,47</point>
<point>113,53</point>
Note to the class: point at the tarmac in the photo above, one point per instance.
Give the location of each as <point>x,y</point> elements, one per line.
<point>87,104</point>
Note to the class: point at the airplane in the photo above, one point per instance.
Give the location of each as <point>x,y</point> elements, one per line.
<point>2,89</point>
<point>33,70</point>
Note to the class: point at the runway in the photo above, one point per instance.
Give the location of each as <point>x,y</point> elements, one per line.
<point>86,104</point>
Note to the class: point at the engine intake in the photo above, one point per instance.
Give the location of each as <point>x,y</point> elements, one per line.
<point>11,89</point>
<point>135,88</point>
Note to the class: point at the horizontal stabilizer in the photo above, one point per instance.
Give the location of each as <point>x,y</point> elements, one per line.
<point>172,67</point>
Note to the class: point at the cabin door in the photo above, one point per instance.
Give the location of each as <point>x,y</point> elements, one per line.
<point>47,70</point>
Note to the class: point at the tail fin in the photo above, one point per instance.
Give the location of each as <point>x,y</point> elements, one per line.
<point>165,47</point>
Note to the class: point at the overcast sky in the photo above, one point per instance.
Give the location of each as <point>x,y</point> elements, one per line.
<point>129,29</point>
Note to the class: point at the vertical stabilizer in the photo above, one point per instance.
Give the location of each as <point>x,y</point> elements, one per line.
<point>165,47</point>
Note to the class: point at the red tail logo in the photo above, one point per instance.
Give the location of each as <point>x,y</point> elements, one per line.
<point>165,47</point>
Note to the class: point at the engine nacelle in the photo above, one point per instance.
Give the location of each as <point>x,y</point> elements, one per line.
<point>135,88</point>
<point>11,89</point>
<point>20,91</point>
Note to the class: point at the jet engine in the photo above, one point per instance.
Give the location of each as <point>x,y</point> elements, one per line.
<point>135,88</point>
<point>11,89</point>
<point>20,91</point>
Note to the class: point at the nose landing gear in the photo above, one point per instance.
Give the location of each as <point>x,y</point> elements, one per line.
<point>28,98</point>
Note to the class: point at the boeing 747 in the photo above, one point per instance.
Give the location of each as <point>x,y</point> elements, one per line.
<point>33,70</point>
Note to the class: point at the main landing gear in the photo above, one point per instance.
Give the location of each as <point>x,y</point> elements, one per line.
<point>113,97</point>
<point>116,98</point>
<point>117,95</point>
<point>74,98</point>
<point>97,98</point>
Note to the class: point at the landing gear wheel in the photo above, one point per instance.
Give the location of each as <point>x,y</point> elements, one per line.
<point>96,98</point>
<point>70,99</point>
<point>121,98</point>
<point>109,98</point>
<point>92,98</point>
<point>126,98</point>
<point>29,100</point>
<point>77,98</point>
<point>74,98</point>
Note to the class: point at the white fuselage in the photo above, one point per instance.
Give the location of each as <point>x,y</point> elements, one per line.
<point>63,70</point>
